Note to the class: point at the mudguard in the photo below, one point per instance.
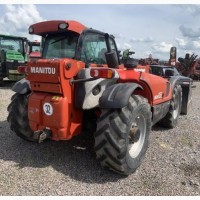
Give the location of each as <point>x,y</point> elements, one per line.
<point>117,95</point>
<point>84,93</point>
<point>174,80</point>
<point>22,86</point>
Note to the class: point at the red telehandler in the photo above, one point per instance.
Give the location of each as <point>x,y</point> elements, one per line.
<point>79,86</point>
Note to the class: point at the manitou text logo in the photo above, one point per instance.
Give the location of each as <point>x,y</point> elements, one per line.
<point>158,96</point>
<point>43,70</point>
<point>139,70</point>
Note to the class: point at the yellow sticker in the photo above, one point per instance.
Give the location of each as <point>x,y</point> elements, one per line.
<point>55,98</point>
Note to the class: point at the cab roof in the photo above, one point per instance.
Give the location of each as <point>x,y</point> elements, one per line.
<point>12,37</point>
<point>52,26</point>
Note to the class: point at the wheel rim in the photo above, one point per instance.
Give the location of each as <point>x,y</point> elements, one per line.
<point>176,107</point>
<point>137,136</point>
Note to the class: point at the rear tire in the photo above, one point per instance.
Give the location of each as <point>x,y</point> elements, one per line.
<point>171,119</point>
<point>121,139</point>
<point>1,82</point>
<point>88,128</point>
<point>18,117</point>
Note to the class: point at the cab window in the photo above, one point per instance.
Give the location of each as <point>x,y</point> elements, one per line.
<point>60,45</point>
<point>94,48</point>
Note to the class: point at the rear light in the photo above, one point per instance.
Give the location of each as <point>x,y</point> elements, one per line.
<point>102,73</point>
<point>22,69</point>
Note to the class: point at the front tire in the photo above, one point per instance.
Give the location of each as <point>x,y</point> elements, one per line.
<point>18,117</point>
<point>121,139</point>
<point>1,81</point>
<point>1,75</point>
<point>171,119</point>
<point>186,101</point>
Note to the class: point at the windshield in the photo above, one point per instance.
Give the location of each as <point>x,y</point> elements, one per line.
<point>35,48</point>
<point>60,45</point>
<point>11,44</point>
<point>157,70</point>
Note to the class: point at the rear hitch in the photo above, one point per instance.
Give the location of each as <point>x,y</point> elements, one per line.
<point>41,135</point>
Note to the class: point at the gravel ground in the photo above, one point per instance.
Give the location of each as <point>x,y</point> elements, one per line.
<point>171,165</point>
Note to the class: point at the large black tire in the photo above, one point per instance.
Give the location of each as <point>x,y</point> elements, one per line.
<point>121,139</point>
<point>1,75</point>
<point>186,101</point>
<point>18,117</point>
<point>88,128</point>
<point>1,82</point>
<point>171,119</point>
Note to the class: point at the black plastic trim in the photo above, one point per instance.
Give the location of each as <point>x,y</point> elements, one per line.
<point>22,86</point>
<point>117,95</point>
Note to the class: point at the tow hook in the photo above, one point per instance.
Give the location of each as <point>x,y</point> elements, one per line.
<point>41,135</point>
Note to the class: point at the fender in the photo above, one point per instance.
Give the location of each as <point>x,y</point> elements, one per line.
<point>117,95</point>
<point>174,80</point>
<point>22,86</point>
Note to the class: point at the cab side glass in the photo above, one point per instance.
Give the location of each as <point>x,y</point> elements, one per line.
<point>93,49</point>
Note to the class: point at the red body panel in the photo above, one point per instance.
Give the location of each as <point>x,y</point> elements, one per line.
<point>62,121</point>
<point>53,88</point>
<point>44,71</point>
<point>156,89</point>
<point>50,83</point>
<point>160,88</point>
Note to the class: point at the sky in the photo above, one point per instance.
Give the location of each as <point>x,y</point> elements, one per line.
<point>143,28</point>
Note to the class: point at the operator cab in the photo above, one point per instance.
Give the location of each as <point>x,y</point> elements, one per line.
<point>70,39</point>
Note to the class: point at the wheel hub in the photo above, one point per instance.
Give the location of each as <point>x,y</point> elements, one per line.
<point>137,136</point>
<point>176,107</point>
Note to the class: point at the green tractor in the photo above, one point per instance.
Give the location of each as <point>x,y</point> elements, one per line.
<point>13,53</point>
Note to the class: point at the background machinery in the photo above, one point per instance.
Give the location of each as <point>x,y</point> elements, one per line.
<point>189,66</point>
<point>12,54</point>
<point>34,49</point>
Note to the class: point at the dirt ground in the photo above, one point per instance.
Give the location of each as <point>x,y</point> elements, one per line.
<point>171,165</point>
